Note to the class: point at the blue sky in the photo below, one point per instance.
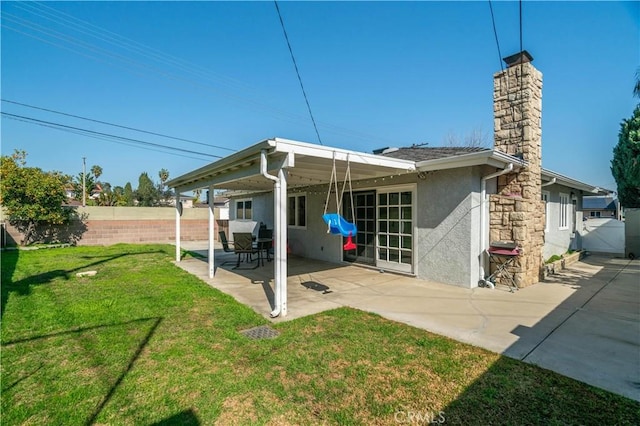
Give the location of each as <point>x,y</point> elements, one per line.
<point>376,74</point>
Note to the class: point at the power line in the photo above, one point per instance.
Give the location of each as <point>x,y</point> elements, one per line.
<point>520,25</point>
<point>101,134</point>
<point>147,70</point>
<point>297,71</point>
<point>114,125</point>
<point>108,139</point>
<point>495,33</point>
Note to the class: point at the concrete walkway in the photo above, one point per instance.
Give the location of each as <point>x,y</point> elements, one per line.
<point>583,323</point>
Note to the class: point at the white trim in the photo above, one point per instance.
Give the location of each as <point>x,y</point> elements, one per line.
<point>327,152</point>
<point>244,208</point>
<point>489,157</point>
<point>563,208</point>
<point>296,196</point>
<point>572,183</point>
<point>546,197</point>
<point>398,266</point>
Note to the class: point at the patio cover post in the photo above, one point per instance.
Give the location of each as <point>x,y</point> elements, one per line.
<point>210,201</point>
<point>281,241</point>
<point>177,226</point>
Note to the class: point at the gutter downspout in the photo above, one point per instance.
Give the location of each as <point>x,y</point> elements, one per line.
<point>276,216</point>
<point>483,228</point>
<point>551,182</point>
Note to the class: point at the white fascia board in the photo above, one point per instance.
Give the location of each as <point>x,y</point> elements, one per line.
<point>200,175</point>
<point>572,183</point>
<point>327,152</point>
<point>490,157</point>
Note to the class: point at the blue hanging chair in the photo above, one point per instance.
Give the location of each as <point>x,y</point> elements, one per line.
<point>339,225</point>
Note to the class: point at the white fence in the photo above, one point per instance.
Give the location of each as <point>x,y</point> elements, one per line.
<point>602,235</point>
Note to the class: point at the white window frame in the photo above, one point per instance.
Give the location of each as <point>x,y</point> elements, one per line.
<point>391,265</point>
<point>564,211</point>
<point>546,197</point>
<point>295,198</point>
<point>244,209</point>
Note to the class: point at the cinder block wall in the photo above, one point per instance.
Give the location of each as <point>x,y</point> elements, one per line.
<point>112,225</point>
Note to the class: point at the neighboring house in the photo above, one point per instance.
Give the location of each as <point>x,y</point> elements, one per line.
<point>428,212</point>
<point>185,200</point>
<point>605,207</point>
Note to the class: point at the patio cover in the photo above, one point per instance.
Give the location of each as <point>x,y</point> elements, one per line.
<point>276,165</point>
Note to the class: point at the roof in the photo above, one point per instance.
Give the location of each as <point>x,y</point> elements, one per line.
<point>430,153</point>
<point>438,158</point>
<point>598,203</point>
<point>549,176</point>
<point>310,164</point>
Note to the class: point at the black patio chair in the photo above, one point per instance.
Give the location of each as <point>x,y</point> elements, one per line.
<point>243,245</point>
<point>265,243</point>
<point>225,243</point>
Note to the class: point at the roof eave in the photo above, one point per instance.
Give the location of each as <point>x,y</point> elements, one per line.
<point>489,157</point>
<point>238,157</point>
<point>572,183</point>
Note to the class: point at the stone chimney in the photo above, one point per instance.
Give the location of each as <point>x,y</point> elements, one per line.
<point>517,211</point>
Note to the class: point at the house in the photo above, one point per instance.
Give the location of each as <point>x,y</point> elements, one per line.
<point>601,207</point>
<point>428,212</point>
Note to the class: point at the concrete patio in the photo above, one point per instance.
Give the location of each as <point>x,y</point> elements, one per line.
<point>583,323</point>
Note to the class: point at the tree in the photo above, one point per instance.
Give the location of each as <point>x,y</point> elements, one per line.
<point>30,196</point>
<point>96,171</point>
<point>163,174</point>
<point>89,185</point>
<point>636,88</point>
<point>163,194</point>
<point>625,165</point>
<point>146,194</point>
<point>111,197</point>
<point>476,138</point>
<point>128,194</point>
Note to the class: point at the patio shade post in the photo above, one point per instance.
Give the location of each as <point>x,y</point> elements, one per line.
<point>178,209</point>
<point>281,241</point>
<point>210,201</point>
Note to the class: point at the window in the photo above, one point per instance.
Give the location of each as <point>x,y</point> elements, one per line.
<point>243,209</point>
<point>595,214</point>
<point>546,196</point>
<point>297,210</point>
<point>564,211</point>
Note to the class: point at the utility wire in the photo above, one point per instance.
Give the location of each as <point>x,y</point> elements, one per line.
<point>93,132</point>
<point>520,25</point>
<point>114,125</point>
<point>297,71</point>
<point>495,33</point>
<point>81,133</point>
<point>138,52</point>
<point>139,49</point>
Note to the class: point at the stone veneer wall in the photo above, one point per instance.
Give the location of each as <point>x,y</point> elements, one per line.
<point>517,211</point>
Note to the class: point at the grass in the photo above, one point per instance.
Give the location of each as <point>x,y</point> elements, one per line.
<point>143,342</point>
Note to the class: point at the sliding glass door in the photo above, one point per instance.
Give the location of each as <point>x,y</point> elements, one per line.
<point>395,229</point>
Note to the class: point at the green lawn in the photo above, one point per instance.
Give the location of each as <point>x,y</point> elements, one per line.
<point>143,343</point>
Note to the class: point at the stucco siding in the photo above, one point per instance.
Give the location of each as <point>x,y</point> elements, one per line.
<point>557,239</point>
<point>261,211</point>
<point>448,227</point>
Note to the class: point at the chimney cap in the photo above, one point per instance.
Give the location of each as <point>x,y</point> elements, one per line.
<point>518,58</point>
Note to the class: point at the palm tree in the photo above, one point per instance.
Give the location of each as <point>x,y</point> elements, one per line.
<point>96,171</point>
<point>164,175</point>
<point>636,88</point>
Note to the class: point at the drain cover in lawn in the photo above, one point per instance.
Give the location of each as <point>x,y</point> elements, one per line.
<point>262,332</point>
